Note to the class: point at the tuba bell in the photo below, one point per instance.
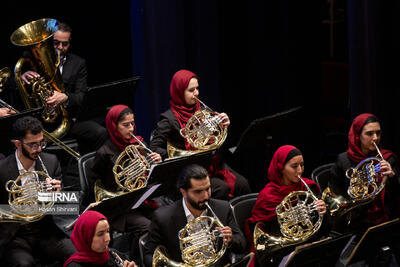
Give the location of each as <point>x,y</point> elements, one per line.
<point>24,198</point>
<point>200,243</point>
<point>202,131</point>
<point>298,218</point>
<point>37,36</point>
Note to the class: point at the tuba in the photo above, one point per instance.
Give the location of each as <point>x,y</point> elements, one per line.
<point>202,131</point>
<point>200,243</point>
<point>363,188</point>
<point>298,218</point>
<point>37,36</point>
<point>28,197</point>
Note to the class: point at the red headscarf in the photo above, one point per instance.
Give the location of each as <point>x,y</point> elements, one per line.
<point>354,151</point>
<point>111,124</point>
<point>377,212</point>
<point>274,192</point>
<point>82,237</point>
<point>181,110</point>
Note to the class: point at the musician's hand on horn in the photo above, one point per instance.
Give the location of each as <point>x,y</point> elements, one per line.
<point>29,75</point>
<point>55,184</point>
<point>386,168</point>
<point>226,233</point>
<point>155,157</point>
<point>129,264</point>
<point>56,99</point>
<point>223,119</point>
<point>321,206</point>
<point>6,111</point>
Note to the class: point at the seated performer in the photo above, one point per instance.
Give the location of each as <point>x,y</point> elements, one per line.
<point>120,125</point>
<point>364,132</point>
<point>89,133</point>
<point>286,166</point>
<point>184,90</point>
<point>22,244</point>
<point>194,185</point>
<point>91,237</point>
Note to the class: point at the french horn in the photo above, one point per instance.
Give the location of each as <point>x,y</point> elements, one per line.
<point>363,188</point>
<point>202,131</point>
<point>200,244</point>
<point>24,198</point>
<point>4,75</point>
<point>298,218</point>
<point>37,36</point>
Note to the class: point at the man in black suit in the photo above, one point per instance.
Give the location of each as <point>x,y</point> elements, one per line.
<point>22,244</point>
<point>194,186</point>
<point>89,134</point>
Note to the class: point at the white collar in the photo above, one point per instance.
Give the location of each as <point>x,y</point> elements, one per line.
<point>21,168</point>
<point>188,214</point>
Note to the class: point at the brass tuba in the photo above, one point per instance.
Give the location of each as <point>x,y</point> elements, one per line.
<point>27,200</point>
<point>200,243</point>
<point>363,188</point>
<point>298,218</point>
<point>37,36</point>
<point>202,131</point>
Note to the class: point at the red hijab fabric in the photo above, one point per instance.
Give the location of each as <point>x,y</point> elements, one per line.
<point>112,128</point>
<point>354,151</point>
<point>82,237</point>
<point>377,212</point>
<point>181,110</point>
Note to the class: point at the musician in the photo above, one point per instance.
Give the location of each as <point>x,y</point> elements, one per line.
<point>184,87</point>
<point>22,244</point>
<point>89,134</point>
<point>120,123</point>
<point>285,167</point>
<point>364,131</point>
<point>91,237</point>
<point>194,185</point>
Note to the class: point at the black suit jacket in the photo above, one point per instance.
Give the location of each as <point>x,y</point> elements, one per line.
<point>169,220</point>
<point>8,171</point>
<point>74,76</point>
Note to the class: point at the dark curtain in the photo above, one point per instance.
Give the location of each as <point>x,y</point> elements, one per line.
<point>374,64</point>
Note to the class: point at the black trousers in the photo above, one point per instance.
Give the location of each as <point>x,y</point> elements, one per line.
<point>89,134</point>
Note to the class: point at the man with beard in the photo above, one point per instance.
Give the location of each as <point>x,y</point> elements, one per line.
<point>23,244</point>
<point>194,185</point>
<point>89,133</point>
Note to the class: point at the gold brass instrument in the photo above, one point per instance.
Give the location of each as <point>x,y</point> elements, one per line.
<point>202,131</point>
<point>47,135</point>
<point>130,170</point>
<point>200,243</point>
<point>298,218</point>
<point>28,197</point>
<point>363,188</point>
<point>4,75</point>
<point>37,36</point>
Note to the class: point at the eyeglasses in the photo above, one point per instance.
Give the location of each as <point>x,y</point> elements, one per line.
<point>57,42</point>
<point>42,144</point>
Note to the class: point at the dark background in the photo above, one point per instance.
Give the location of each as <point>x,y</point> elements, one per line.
<point>254,59</point>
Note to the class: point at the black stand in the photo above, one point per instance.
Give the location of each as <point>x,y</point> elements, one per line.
<point>167,173</point>
<point>323,252</point>
<point>375,246</point>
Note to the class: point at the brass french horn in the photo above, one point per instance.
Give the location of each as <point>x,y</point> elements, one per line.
<point>298,218</point>
<point>37,36</point>
<point>200,244</point>
<point>28,197</point>
<point>4,75</point>
<point>363,188</point>
<point>202,131</point>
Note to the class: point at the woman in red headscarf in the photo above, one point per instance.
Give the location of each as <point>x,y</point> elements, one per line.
<point>184,89</point>
<point>120,124</point>
<point>364,132</point>
<point>91,237</point>
<point>286,166</point>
